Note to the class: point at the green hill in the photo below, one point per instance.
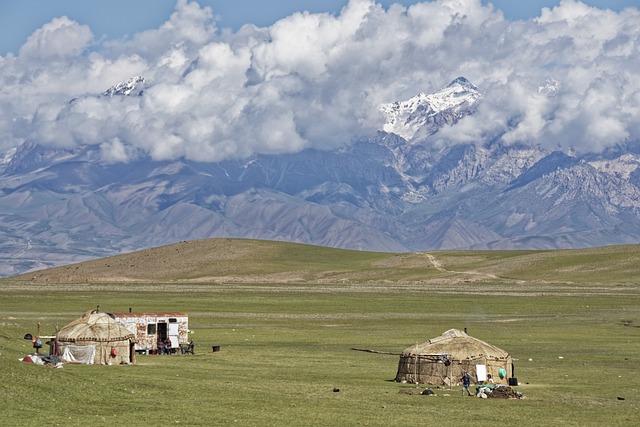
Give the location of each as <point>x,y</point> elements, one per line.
<point>256,261</point>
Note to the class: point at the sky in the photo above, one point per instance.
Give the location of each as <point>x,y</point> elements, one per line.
<point>312,73</point>
<point>19,18</point>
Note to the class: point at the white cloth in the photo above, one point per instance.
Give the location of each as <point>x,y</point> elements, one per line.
<point>79,354</point>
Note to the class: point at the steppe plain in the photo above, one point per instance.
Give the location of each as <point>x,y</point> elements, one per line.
<point>288,317</point>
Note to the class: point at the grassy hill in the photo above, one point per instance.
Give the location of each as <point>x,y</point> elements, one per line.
<point>254,261</point>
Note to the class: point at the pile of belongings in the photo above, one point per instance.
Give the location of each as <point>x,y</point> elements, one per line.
<point>41,359</point>
<point>497,391</point>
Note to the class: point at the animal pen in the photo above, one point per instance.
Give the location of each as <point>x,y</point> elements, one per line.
<point>443,360</point>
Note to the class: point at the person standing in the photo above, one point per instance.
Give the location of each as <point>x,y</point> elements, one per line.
<point>466,382</point>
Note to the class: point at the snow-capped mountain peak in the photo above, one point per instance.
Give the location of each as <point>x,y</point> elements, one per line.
<point>427,112</point>
<point>549,88</point>
<point>134,86</point>
<point>6,157</point>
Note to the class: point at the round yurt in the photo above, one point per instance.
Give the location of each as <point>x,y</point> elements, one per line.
<point>442,360</point>
<point>96,338</point>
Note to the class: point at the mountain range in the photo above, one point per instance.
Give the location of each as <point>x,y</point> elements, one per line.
<point>393,191</point>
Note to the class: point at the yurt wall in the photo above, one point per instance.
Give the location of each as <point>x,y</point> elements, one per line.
<point>435,370</point>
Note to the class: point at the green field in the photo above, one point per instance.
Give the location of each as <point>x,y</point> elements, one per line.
<point>287,322</point>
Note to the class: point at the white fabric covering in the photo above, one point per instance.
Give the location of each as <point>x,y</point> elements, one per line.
<point>79,354</point>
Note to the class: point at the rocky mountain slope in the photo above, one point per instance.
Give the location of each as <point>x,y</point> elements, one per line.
<point>386,192</point>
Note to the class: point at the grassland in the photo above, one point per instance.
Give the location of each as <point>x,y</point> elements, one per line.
<point>288,316</point>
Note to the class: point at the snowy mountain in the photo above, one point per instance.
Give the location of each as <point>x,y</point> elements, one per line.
<point>384,192</point>
<point>424,113</point>
<point>135,86</point>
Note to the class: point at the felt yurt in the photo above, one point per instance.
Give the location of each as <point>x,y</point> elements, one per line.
<point>443,360</point>
<point>96,338</point>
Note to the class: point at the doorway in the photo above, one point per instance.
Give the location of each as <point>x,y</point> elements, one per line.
<point>162,332</point>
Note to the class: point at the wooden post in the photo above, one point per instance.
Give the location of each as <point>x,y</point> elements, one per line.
<point>37,338</point>
<point>415,367</point>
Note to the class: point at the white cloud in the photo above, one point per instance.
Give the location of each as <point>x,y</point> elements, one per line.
<point>189,26</point>
<point>61,37</point>
<point>316,80</point>
<point>114,151</point>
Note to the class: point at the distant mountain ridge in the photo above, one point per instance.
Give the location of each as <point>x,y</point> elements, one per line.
<point>384,192</point>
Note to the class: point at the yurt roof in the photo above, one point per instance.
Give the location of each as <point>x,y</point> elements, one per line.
<point>94,326</point>
<point>457,345</point>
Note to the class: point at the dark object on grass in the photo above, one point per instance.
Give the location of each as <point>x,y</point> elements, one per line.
<point>504,392</point>
<point>215,348</point>
<point>336,390</point>
<point>513,381</point>
<point>188,348</point>
<point>427,392</point>
<point>28,337</point>
<point>620,398</point>
<point>51,360</point>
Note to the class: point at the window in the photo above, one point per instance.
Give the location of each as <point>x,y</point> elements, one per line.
<point>151,329</point>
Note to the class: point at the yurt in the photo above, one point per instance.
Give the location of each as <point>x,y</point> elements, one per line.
<point>442,360</point>
<point>96,338</point>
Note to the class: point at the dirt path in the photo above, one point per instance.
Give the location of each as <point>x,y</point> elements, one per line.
<point>438,266</point>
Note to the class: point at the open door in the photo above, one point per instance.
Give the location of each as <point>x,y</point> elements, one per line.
<point>132,352</point>
<point>173,333</point>
<point>162,331</point>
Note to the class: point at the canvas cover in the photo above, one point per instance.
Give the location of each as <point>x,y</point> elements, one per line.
<point>443,359</point>
<point>84,354</point>
<point>111,340</point>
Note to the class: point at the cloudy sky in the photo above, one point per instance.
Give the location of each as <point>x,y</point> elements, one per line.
<point>221,88</point>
